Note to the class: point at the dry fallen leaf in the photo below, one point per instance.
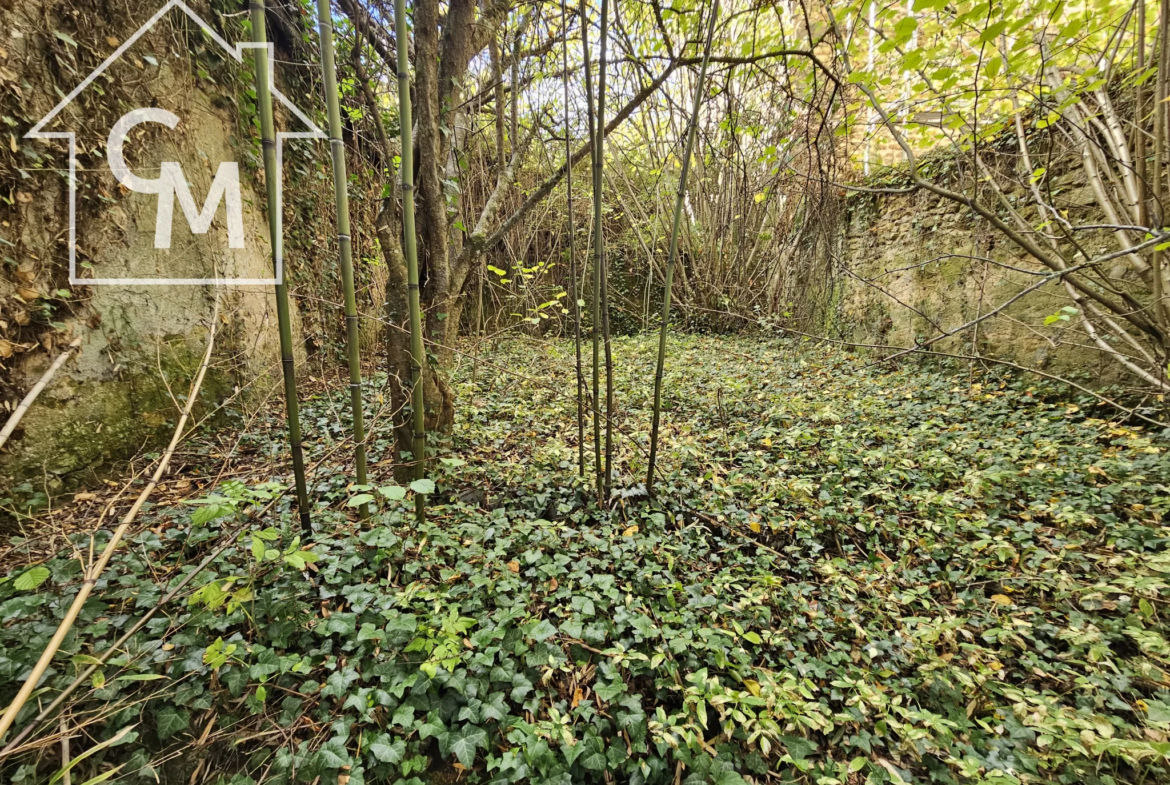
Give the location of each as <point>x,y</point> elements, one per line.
<point>84,497</point>
<point>112,41</point>
<point>514,566</point>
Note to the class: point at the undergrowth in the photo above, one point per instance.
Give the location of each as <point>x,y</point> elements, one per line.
<point>849,574</point>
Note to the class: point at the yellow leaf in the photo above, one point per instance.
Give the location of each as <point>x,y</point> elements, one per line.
<point>1000,599</point>
<point>753,686</point>
<point>630,532</point>
<point>754,526</point>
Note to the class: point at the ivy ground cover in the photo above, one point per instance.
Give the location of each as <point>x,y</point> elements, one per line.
<point>849,574</point>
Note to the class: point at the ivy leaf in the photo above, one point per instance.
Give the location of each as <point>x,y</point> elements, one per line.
<point>393,492</point>
<point>494,708</point>
<point>369,632</point>
<point>521,686</point>
<point>463,742</point>
<point>594,756</point>
<point>432,727</point>
<point>542,631</point>
<point>338,683</point>
<point>404,717</point>
<point>332,754</point>
<point>798,748</point>
<point>343,623</point>
<point>607,692</point>
<point>387,751</point>
<point>171,720</point>
<point>32,578</point>
<point>572,752</point>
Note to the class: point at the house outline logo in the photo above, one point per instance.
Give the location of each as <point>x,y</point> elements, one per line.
<point>236,53</point>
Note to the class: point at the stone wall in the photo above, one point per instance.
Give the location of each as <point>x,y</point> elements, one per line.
<point>915,261</point>
<point>141,345</point>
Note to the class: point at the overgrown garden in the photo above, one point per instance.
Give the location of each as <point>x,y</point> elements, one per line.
<point>576,469</point>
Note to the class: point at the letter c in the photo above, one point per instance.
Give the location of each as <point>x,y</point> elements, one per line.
<point>117,138</point>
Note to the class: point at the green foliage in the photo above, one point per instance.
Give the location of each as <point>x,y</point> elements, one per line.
<point>31,578</point>
<point>850,576</point>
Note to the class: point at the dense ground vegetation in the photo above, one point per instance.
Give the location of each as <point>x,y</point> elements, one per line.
<point>850,574</point>
<point>844,568</point>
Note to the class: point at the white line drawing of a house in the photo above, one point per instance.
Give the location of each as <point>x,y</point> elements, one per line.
<point>236,52</point>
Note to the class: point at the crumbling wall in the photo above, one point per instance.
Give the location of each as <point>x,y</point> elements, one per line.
<point>140,344</point>
<point>913,263</point>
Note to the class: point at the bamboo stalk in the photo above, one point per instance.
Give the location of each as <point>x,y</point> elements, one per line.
<point>22,409</point>
<point>344,244</point>
<point>600,276</point>
<point>672,254</point>
<point>1139,112</point>
<point>607,346</point>
<point>573,247</point>
<point>417,354</point>
<point>595,319</point>
<point>95,570</point>
<point>283,318</point>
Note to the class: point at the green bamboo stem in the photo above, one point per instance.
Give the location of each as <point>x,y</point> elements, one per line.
<point>600,276</point>
<point>672,255</point>
<point>594,158</point>
<point>283,318</point>
<point>417,355</point>
<point>344,244</point>
<point>573,247</point>
<point>608,351</point>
